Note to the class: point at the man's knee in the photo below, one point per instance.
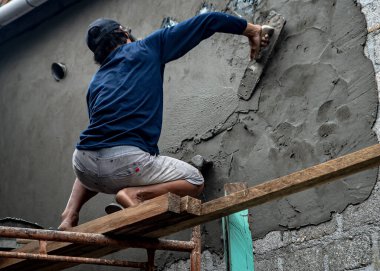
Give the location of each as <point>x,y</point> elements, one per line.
<point>120,195</point>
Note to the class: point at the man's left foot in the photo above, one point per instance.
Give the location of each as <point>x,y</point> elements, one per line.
<point>65,226</point>
<point>69,220</point>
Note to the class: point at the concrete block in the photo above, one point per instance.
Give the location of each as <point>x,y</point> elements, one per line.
<point>366,213</point>
<point>364,3</point>
<point>314,232</point>
<point>266,265</point>
<point>371,9</point>
<point>305,259</point>
<point>376,60</point>
<point>271,241</point>
<point>180,265</point>
<point>349,254</point>
<point>210,262</point>
<point>367,268</point>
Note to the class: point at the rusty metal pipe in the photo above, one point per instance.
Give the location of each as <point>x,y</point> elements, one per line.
<point>196,253</point>
<point>95,239</point>
<point>150,263</point>
<point>70,259</point>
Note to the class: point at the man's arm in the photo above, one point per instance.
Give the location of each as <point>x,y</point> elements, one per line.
<point>174,42</point>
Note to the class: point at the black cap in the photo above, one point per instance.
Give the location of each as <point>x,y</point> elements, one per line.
<point>104,26</point>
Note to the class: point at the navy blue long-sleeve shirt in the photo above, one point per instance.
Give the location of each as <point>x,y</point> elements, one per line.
<point>125,96</point>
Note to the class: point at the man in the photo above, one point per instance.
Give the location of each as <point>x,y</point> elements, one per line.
<point>118,153</point>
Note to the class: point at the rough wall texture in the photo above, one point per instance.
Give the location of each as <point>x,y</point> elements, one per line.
<point>312,105</point>
<point>317,100</point>
<point>350,241</point>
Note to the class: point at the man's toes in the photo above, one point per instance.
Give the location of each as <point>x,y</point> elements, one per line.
<point>64,226</point>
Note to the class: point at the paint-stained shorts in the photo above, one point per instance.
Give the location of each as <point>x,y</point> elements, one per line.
<point>112,169</point>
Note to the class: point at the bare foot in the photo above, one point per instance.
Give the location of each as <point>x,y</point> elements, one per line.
<point>129,197</point>
<point>68,221</point>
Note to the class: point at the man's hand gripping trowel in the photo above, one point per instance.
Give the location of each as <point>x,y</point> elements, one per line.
<point>272,27</point>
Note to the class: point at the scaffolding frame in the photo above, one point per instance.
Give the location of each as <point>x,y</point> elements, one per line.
<point>150,244</point>
<point>170,213</point>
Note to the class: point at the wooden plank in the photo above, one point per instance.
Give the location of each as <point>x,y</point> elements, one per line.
<point>230,188</point>
<point>238,247</point>
<point>253,72</point>
<point>145,216</point>
<point>191,205</point>
<point>313,176</point>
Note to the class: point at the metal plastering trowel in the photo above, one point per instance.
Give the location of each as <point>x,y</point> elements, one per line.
<point>253,72</point>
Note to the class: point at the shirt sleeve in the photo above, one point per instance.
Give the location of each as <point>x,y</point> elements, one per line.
<point>174,42</point>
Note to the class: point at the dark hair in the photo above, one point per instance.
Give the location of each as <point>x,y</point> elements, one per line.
<point>108,43</point>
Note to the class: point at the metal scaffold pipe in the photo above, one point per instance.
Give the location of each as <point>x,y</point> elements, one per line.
<point>71,259</point>
<point>95,239</point>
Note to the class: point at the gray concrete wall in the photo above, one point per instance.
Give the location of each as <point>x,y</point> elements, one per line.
<point>350,241</point>
<point>317,100</point>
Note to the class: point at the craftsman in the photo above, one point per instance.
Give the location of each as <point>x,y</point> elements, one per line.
<point>118,153</point>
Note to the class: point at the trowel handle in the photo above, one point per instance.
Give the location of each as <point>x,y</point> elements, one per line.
<point>267,29</point>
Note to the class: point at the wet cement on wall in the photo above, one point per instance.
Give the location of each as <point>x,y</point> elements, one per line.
<point>317,100</point>
<point>350,241</point>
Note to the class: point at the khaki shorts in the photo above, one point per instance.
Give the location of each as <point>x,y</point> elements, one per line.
<point>111,169</point>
